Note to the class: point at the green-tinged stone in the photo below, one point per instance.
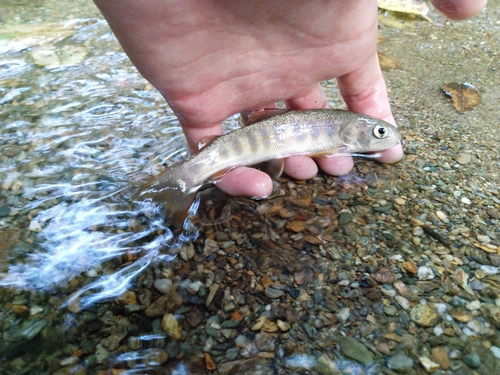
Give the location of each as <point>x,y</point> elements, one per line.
<point>345,218</point>
<point>400,362</point>
<point>354,349</point>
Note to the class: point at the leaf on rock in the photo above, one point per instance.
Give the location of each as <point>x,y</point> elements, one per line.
<point>464,96</point>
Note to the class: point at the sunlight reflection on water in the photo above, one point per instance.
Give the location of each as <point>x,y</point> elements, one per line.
<point>79,158</point>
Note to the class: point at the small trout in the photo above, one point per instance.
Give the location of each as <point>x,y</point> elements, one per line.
<point>273,134</point>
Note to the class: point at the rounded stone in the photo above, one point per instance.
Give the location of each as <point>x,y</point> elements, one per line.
<point>423,315</point>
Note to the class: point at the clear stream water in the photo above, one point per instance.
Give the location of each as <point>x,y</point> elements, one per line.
<point>79,130</point>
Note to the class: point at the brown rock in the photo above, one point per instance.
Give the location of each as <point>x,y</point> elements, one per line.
<point>266,281</point>
<point>20,309</point>
<point>423,315</point>
<point>194,317</point>
<point>164,304</point>
<point>127,298</point>
<point>463,316</point>
<point>440,355</point>
<point>303,275</point>
<point>239,366</point>
<point>385,276</point>
<point>410,267</point>
<point>312,240</point>
<point>209,362</point>
<point>295,226</point>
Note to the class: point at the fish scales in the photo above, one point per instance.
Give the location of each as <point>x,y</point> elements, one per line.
<point>310,132</point>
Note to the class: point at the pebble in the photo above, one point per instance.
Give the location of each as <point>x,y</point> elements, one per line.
<point>489,270</point>
<point>472,359</point>
<point>187,251</point>
<point>354,349</point>
<point>385,276</point>
<point>210,247</point>
<point>283,326</point>
<point>425,273</point>
<point>265,342</point>
<point>464,158</point>
<point>410,267</point>
<point>273,292</point>
<point>303,275</point>
<point>35,226</point>
<point>442,216</point>
<point>400,201</point>
<point>20,309</point>
<point>428,365</point>
<point>343,314</point>
<point>418,231</point>
<point>465,200</point>
<point>5,211</point>
<point>423,315</point>
<point>400,362</point>
<point>403,302</point>
<point>440,355</point>
<point>496,351</point>
<point>171,326</point>
<point>296,226</point>
<point>164,286</point>
<point>345,218</point>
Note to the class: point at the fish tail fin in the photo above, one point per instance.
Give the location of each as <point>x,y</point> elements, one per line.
<point>172,193</point>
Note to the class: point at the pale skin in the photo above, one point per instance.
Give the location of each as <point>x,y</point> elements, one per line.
<point>211,59</point>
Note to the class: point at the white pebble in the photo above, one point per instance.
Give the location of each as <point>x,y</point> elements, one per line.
<point>468,332</point>
<point>489,270</point>
<point>35,310</point>
<point>403,302</point>
<point>425,273</point>
<point>428,365</point>
<point>164,286</point>
<point>438,330</point>
<point>473,305</point>
<point>474,325</point>
<point>465,200</point>
<point>483,238</point>
<point>496,351</point>
<point>92,272</point>
<point>442,216</point>
<point>418,231</point>
<point>343,314</point>
<point>35,226</point>
<point>194,288</point>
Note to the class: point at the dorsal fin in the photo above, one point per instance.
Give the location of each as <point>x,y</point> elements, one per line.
<point>251,117</point>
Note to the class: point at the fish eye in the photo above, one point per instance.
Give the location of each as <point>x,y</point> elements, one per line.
<point>380,131</point>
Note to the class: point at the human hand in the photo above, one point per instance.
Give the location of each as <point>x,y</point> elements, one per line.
<point>212,59</point>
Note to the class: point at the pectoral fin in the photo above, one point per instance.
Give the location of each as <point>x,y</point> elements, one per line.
<point>274,168</point>
<point>329,153</point>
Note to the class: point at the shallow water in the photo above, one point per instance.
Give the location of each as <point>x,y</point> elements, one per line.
<point>80,129</point>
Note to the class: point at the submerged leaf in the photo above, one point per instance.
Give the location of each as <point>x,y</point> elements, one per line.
<point>464,96</point>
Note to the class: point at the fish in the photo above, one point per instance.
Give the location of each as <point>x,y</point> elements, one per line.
<point>270,134</point>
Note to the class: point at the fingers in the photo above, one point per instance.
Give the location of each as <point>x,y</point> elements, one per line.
<point>248,182</point>
<point>459,9</point>
<point>364,91</point>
